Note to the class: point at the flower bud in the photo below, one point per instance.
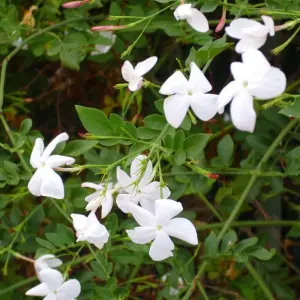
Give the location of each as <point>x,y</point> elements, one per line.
<point>108,27</point>
<point>75,4</point>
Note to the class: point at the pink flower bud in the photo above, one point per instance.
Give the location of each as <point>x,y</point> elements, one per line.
<point>75,4</point>
<point>220,25</point>
<point>107,27</point>
<point>212,176</point>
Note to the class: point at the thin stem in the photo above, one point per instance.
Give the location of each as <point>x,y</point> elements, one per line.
<point>210,206</point>
<point>260,281</point>
<point>202,291</point>
<point>61,210</point>
<point>17,285</point>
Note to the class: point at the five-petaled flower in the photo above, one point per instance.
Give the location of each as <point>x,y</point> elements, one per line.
<point>185,93</point>
<point>45,182</point>
<point>160,226</point>
<point>252,34</point>
<point>193,16</point>
<point>53,287</point>
<point>254,77</point>
<point>102,197</point>
<point>138,185</point>
<point>134,76</point>
<point>89,229</point>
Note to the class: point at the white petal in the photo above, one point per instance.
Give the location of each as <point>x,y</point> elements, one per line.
<point>154,191</point>
<point>52,185</point>
<point>124,180</point>
<point>238,71</point>
<point>183,11</point>
<point>271,85</point>
<point>236,27</point>
<point>52,278</point>
<point>249,42</point>
<point>46,261</point>
<point>204,105</point>
<point>136,169</point>
<point>142,235</point>
<point>175,84</point>
<point>135,84</point>
<point>198,80</point>
<point>242,112</point>
<point>255,63</point>
<point>198,21</point>
<point>127,71</point>
<point>69,290</point>
<point>55,161</point>
<point>35,182</point>
<point>182,229</point>
<point>107,205</point>
<point>257,31</point>
<point>148,204</point>
<point>123,201</point>
<point>142,216</point>
<point>79,221</point>
<point>161,247</point>
<point>175,108</point>
<point>93,197</point>
<point>94,228</point>
<point>145,66</point>
<point>37,151</point>
<point>39,290</point>
<point>92,185</point>
<point>226,95</point>
<point>166,209</point>
<point>269,22</point>
<point>51,297</point>
<point>52,145</point>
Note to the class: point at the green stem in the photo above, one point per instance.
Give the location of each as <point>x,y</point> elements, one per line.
<point>61,210</point>
<point>210,206</point>
<point>242,199</point>
<point>202,291</point>
<point>260,281</point>
<point>18,285</point>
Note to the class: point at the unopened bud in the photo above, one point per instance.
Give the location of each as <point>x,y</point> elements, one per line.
<point>220,25</point>
<point>212,176</point>
<point>108,27</point>
<point>75,4</point>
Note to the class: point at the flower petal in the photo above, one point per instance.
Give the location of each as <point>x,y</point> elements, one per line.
<point>204,105</point>
<point>37,151</point>
<point>69,290</point>
<point>124,181</point>
<point>142,216</point>
<point>52,185</point>
<point>55,161</point>
<point>39,290</point>
<point>154,191</point>
<point>175,84</point>
<point>238,71</point>
<point>46,261</point>
<point>93,197</point>
<point>35,182</point>
<point>236,27</point>
<point>94,228</point>
<point>256,64</point>
<point>198,21</point>
<point>123,201</point>
<point>142,235</point>
<point>52,145</point>
<point>92,185</point>
<point>148,204</point>
<point>250,42</point>
<point>135,84</point>
<point>175,108</point>
<point>182,229</point>
<point>226,95</point>
<point>242,112</point>
<point>145,66</point>
<point>79,221</point>
<point>269,22</point>
<point>166,209</point>
<point>198,80</point>
<point>51,297</point>
<point>271,85</point>
<point>182,11</point>
<point>107,205</point>
<point>127,71</point>
<point>52,278</point>
<point>136,169</point>
<point>161,247</point>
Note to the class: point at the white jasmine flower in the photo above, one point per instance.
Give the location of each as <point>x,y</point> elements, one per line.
<point>254,77</point>
<point>89,229</point>
<point>138,185</point>
<point>193,16</point>
<point>185,93</point>
<point>134,76</point>
<point>102,197</point>
<point>102,49</point>
<point>160,226</point>
<point>46,261</point>
<point>252,34</point>
<point>53,287</point>
<point>45,182</point>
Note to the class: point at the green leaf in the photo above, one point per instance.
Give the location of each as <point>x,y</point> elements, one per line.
<point>144,133</point>
<point>244,244</point>
<point>112,223</point>
<point>179,157</point>
<point>156,122</point>
<point>179,139</point>
<point>11,168</point>
<point>45,244</point>
<point>78,147</point>
<point>94,121</point>
<point>293,110</point>
<point>66,233</point>
<point>209,6</point>
<point>263,254</point>
<point>225,149</point>
<point>211,244</point>
<point>125,257</point>
<point>194,144</point>
<point>53,47</point>
<point>70,59</point>
<point>26,126</point>
<point>101,267</point>
<point>55,239</point>
<point>228,241</point>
